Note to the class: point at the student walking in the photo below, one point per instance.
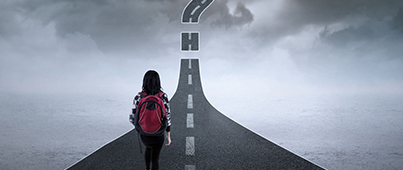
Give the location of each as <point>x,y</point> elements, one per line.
<point>151,117</point>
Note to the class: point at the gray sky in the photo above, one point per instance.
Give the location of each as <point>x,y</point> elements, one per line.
<point>278,46</point>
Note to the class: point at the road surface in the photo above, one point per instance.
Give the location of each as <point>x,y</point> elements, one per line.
<point>202,138</point>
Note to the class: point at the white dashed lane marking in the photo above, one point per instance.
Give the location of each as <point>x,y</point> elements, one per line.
<point>189,120</point>
<point>190,167</point>
<point>190,145</point>
<point>190,79</point>
<point>190,141</point>
<point>194,10</point>
<point>190,101</point>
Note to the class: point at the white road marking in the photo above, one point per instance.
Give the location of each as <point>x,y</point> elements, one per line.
<point>190,141</point>
<point>190,145</point>
<point>189,120</point>
<point>190,101</point>
<point>190,167</point>
<point>190,79</point>
<point>194,10</point>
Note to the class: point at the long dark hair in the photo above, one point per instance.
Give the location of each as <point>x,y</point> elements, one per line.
<point>151,83</point>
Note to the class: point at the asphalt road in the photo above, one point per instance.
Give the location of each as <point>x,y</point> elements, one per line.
<point>202,138</point>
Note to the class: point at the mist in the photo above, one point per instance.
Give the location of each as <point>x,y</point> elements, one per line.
<point>275,46</point>
<point>263,50</point>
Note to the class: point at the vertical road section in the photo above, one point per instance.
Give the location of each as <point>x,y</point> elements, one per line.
<point>202,138</point>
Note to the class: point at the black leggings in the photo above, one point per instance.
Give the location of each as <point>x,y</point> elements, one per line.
<point>153,149</point>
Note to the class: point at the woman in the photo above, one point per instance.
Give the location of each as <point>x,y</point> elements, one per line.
<point>152,86</point>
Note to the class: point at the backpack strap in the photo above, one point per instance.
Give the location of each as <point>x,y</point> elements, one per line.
<point>143,94</point>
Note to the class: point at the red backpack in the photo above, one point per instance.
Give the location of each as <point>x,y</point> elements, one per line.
<point>151,118</point>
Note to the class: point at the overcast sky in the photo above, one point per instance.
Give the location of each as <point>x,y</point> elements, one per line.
<point>275,46</point>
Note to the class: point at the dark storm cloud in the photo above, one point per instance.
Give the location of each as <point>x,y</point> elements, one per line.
<point>311,36</point>
<point>240,17</point>
<point>354,27</point>
<point>398,20</point>
<point>358,42</point>
<point>325,12</point>
<point>127,25</point>
<point>342,37</point>
<point>9,20</point>
<point>118,25</point>
<point>370,36</point>
<point>295,15</point>
<point>113,25</point>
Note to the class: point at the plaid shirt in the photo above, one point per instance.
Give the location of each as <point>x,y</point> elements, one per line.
<point>164,98</point>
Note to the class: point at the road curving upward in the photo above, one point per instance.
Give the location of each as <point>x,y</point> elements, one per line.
<point>202,138</point>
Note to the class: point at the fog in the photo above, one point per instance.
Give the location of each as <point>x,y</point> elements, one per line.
<point>249,50</point>
<point>274,46</point>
